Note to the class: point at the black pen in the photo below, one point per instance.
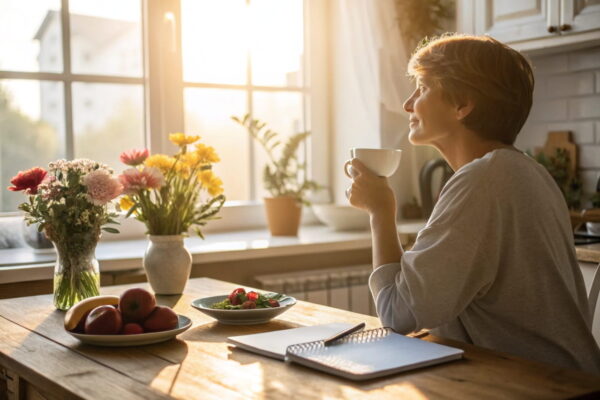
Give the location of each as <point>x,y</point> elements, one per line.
<point>343,334</point>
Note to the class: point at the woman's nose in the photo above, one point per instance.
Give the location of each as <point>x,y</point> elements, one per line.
<point>408,104</point>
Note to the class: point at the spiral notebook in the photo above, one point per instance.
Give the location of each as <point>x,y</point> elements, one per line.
<point>371,354</point>
<point>275,343</point>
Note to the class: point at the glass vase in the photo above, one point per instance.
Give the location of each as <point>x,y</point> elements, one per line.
<point>76,274</point>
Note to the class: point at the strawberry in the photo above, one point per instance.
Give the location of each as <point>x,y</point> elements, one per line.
<point>249,304</point>
<point>252,296</point>
<point>234,297</point>
<point>273,303</point>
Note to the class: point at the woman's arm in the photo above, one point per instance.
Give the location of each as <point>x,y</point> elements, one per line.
<point>374,195</point>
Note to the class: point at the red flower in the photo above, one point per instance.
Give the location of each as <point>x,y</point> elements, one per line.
<point>28,180</point>
<point>134,157</point>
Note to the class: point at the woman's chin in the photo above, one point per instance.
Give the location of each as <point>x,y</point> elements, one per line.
<point>415,139</point>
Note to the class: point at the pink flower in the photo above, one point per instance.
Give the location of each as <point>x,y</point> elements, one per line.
<point>134,180</point>
<point>28,180</point>
<point>134,157</point>
<point>101,187</point>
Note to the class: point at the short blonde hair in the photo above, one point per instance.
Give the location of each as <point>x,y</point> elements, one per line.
<point>496,78</point>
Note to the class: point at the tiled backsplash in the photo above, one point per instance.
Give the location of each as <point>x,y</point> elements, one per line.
<point>567,97</point>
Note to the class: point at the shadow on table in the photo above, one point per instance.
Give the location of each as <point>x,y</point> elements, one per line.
<point>139,363</point>
<point>167,300</point>
<point>217,332</point>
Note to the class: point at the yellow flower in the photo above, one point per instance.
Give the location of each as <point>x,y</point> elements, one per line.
<point>181,139</point>
<point>189,160</point>
<point>212,183</point>
<point>160,161</point>
<point>126,203</point>
<point>207,154</point>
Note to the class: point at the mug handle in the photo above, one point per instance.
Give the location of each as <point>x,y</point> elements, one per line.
<point>346,165</point>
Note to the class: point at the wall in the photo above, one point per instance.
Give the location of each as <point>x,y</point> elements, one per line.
<point>567,97</point>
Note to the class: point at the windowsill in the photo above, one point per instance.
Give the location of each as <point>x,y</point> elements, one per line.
<point>20,265</point>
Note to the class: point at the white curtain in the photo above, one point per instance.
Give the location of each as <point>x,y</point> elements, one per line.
<point>370,62</point>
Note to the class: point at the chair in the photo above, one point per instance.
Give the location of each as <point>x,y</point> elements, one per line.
<point>593,295</point>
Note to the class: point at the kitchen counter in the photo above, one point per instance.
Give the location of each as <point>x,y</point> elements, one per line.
<point>588,252</point>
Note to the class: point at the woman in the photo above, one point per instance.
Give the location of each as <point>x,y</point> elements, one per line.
<point>495,264</point>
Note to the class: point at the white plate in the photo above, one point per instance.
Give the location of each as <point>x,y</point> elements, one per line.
<point>242,317</point>
<point>134,340</point>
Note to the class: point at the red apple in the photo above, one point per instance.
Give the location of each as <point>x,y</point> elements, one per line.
<point>161,319</point>
<point>132,329</point>
<point>80,328</point>
<point>103,320</point>
<point>136,304</point>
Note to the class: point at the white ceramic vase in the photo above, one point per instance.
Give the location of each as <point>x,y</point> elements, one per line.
<point>167,263</point>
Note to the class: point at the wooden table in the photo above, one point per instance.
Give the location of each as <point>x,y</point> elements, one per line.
<point>40,360</point>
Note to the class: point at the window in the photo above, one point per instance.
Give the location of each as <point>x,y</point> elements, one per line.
<point>90,79</point>
<point>46,84</point>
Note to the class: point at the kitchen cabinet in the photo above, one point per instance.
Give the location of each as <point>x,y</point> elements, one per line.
<point>536,26</point>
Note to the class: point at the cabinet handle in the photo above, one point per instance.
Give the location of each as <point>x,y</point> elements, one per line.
<point>552,29</point>
<point>565,27</point>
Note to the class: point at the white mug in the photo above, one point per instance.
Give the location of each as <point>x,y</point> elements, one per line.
<point>382,162</point>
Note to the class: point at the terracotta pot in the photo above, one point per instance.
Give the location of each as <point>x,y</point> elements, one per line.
<point>283,215</point>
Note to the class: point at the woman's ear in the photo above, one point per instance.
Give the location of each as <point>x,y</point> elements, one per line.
<point>463,109</point>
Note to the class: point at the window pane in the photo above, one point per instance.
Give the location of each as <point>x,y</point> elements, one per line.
<point>207,113</point>
<point>32,129</point>
<point>277,42</point>
<point>107,119</point>
<point>282,111</point>
<point>213,41</point>
<point>31,35</point>
<point>106,37</point>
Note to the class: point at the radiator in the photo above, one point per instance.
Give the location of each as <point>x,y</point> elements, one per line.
<point>343,287</point>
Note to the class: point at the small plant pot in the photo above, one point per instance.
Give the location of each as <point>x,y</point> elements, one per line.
<point>283,215</point>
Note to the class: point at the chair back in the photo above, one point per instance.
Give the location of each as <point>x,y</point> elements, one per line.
<point>593,295</point>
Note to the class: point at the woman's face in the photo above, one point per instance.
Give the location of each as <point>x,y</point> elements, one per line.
<point>432,119</point>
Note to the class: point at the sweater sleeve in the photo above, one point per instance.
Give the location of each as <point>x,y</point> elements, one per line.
<point>391,308</point>
<point>448,267</point>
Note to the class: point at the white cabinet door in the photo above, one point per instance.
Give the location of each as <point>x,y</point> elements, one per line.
<point>515,21</point>
<point>579,16</point>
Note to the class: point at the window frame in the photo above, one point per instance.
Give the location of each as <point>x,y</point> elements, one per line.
<point>163,98</point>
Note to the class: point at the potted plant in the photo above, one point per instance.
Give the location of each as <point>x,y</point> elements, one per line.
<point>170,195</point>
<point>284,176</point>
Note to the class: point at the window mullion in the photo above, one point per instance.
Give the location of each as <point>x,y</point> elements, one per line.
<point>67,85</point>
<point>252,154</point>
<point>163,70</point>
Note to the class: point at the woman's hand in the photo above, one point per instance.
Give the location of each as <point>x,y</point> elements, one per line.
<point>370,192</point>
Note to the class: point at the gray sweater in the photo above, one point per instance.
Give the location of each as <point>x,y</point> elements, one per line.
<point>495,266</point>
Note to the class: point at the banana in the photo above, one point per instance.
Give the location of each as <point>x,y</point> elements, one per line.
<point>79,310</point>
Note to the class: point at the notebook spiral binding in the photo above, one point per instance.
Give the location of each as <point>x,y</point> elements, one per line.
<point>367,336</point>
